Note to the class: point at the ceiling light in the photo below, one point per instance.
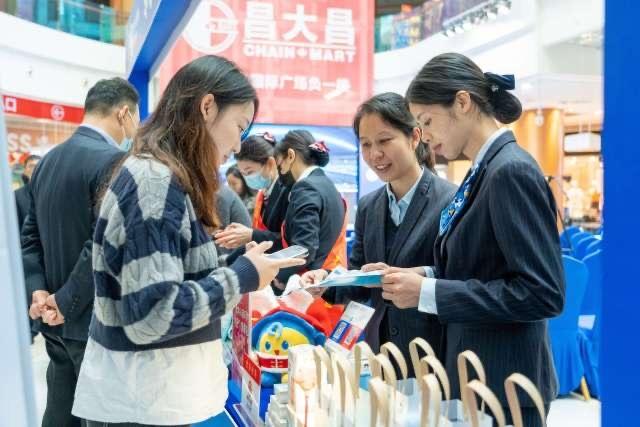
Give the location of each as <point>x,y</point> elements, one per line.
<point>467,25</point>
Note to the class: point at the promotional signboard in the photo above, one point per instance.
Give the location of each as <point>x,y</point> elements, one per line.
<point>310,61</point>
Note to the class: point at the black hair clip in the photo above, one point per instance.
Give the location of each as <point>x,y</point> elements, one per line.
<point>499,81</point>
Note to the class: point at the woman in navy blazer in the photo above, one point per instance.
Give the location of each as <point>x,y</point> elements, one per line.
<point>315,217</point>
<point>498,274</point>
<point>397,224</point>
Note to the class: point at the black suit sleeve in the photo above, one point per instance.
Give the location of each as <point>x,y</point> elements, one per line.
<point>268,236</point>
<point>32,253</point>
<point>303,224</point>
<point>75,295</point>
<point>524,222</point>
<point>357,259</point>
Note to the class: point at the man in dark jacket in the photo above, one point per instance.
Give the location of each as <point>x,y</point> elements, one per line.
<point>23,202</point>
<point>58,231</point>
<point>22,193</point>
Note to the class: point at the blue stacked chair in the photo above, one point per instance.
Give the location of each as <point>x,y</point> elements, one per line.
<point>565,236</point>
<point>580,249</point>
<point>594,246</point>
<point>591,312</point>
<point>566,337</point>
<point>575,238</point>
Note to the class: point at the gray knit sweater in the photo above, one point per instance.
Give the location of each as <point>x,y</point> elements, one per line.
<point>157,281</point>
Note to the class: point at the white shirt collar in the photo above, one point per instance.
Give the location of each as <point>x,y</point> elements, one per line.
<point>408,195</point>
<point>102,133</point>
<point>485,148</point>
<point>269,190</point>
<point>307,172</point>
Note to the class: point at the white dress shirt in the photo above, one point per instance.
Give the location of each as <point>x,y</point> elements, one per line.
<point>398,208</point>
<point>130,381</point>
<point>102,133</point>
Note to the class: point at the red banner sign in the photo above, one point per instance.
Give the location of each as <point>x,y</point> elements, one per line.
<point>42,110</point>
<point>310,60</point>
<point>251,368</point>
<point>241,330</point>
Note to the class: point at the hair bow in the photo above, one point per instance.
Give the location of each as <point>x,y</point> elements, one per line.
<point>501,81</point>
<point>319,146</point>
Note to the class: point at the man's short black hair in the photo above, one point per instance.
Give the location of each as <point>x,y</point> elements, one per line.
<point>110,93</point>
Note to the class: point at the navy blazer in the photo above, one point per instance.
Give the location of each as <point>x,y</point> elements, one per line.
<point>57,234</point>
<point>413,246</point>
<point>314,220</point>
<point>500,274</point>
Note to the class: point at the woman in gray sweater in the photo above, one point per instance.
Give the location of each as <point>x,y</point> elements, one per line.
<point>154,355</point>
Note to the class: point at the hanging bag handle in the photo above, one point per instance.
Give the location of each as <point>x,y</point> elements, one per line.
<point>514,403</point>
<point>390,349</point>
<point>440,373</point>
<point>463,358</point>
<point>381,367</point>
<point>379,402</point>
<point>478,388</point>
<point>345,377</point>
<point>321,357</point>
<point>431,397</point>
<point>415,358</point>
<point>360,351</point>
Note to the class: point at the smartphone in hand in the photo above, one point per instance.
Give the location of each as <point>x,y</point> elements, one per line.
<point>294,251</point>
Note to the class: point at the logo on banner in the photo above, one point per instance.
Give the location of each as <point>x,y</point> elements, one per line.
<point>213,27</point>
<point>10,105</point>
<point>57,112</point>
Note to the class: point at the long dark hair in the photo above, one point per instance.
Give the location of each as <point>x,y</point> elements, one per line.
<point>394,110</point>
<point>176,134</point>
<point>233,170</point>
<point>257,148</point>
<point>440,79</point>
<point>301,141</point>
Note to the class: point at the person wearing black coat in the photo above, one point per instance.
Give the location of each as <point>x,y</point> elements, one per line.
<point>316,214</point>
<point>57,235</point>
<point>22,196</point>
<point>397,224</point>
<point>498,275</point>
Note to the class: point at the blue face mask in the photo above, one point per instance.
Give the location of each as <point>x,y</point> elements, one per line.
<point>127,142</point>
<point>256,181</point>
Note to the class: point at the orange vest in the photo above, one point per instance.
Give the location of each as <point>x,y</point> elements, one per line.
<point>258,224</point>
<point>338,254</point>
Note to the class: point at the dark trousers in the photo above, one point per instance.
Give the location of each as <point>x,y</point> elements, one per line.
<point>65,358</point>
<point>101,424</point>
